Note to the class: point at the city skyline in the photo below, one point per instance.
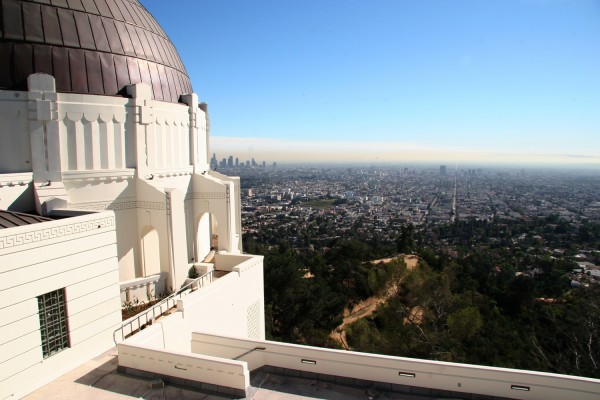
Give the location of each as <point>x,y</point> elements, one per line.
<point>512,81</point>
<point>319,152</point>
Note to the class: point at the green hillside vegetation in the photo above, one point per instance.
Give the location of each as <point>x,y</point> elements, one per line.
<point>487,293</point>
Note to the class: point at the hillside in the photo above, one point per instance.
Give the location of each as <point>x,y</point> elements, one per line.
<point>367,307</point>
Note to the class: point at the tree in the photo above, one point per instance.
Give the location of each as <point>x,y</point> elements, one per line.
<point>405,243</point>
<point>465,323</point>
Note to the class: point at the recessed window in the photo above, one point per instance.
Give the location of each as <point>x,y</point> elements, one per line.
<point>53,322</point>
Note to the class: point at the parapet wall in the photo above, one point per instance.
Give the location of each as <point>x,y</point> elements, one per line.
<point>396,373</point>
<point>199,371</point>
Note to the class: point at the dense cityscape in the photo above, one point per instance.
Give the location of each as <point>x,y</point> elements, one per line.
<point>384,198</point>
<point>397,195</point>
<point>324,203</point>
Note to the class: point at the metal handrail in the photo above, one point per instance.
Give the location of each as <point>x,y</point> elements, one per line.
<point>248,352</point>
<point>199,282</point>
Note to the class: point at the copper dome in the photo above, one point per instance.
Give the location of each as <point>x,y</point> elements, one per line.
<point>89,46</point>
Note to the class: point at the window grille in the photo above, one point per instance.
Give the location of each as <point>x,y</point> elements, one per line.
<point>53,322</point>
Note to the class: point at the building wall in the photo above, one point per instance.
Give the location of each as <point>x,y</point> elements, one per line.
<point>231,305</point>
<point>238,296</point>
<point>16,191</point>
<point>144,159</point>
<point>78,254</point>
<point>229,377</point>
<point>15,153</point>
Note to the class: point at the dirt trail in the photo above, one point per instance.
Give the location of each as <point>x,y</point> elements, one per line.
<point>368,306</point>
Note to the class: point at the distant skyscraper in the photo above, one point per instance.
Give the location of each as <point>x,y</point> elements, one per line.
<point>213,162</point>
<point>230,162</point>
<point>443,170</point>
<point>237,162</point>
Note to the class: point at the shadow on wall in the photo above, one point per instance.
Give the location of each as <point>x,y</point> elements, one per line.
<point>24,202</point>
<point>207,236</point>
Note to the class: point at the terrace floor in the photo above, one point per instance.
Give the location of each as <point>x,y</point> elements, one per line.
<point>99,379</point>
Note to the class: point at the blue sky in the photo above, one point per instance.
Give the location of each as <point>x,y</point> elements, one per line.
<point>393,80</point>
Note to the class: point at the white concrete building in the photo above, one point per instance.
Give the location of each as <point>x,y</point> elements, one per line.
<point>59,296</point>
<point>144,159</point>
<point>104,147</point>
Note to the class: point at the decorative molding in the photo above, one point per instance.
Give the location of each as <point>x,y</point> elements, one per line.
<point>207,196</point>
<point>87,114</point>
<point>120,206</point>
<point>168,202</point>
<point>42,110</point>
<point>18,179</point>
<point>169,119</point>
<point>173,171</point>
<point>101,175</point>
<point>39,235</point>
<point>139,282</point>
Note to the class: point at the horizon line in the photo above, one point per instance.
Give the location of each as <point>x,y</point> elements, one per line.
<point>385,152</point>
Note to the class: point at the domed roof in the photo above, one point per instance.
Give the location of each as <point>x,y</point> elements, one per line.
<point>89,46</point>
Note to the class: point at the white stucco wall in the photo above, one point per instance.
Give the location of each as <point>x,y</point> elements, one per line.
<point>16,191</point>
<point>186,365</point>
<point>78,254</point>
<point>147,162</point>
<point>144,159</point>
<point>231,305</point>
<point>15,153</point>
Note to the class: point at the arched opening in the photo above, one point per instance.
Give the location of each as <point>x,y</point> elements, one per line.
<point>150,251</point>
<point>214,233</point>
<point>207,237</point>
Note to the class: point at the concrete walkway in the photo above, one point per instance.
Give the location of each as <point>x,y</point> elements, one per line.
<point>98,379</point>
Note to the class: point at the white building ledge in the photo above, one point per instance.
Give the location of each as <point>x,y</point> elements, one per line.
<point>397,374</point>
<point>103,175</point>
<point>19,179</point>
<point>173,171</point>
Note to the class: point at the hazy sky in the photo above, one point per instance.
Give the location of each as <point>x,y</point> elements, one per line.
<point>394,79</point>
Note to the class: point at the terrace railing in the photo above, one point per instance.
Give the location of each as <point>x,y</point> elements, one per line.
<point>139,321</point>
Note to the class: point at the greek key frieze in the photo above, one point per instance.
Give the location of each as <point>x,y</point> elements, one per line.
<point>121,206</point>
<point>43,234</point>
<point>206,196</point>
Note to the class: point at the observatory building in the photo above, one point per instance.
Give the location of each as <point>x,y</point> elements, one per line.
<point>106,197</point>
<point>108,203</point>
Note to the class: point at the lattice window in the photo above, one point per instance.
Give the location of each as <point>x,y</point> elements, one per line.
<point>53,322</point>
<point>253,316</point>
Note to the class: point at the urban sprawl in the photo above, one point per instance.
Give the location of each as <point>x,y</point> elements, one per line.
<point>311,206</point>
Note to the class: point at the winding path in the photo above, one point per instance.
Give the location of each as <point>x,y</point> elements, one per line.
<point>368,306</point>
